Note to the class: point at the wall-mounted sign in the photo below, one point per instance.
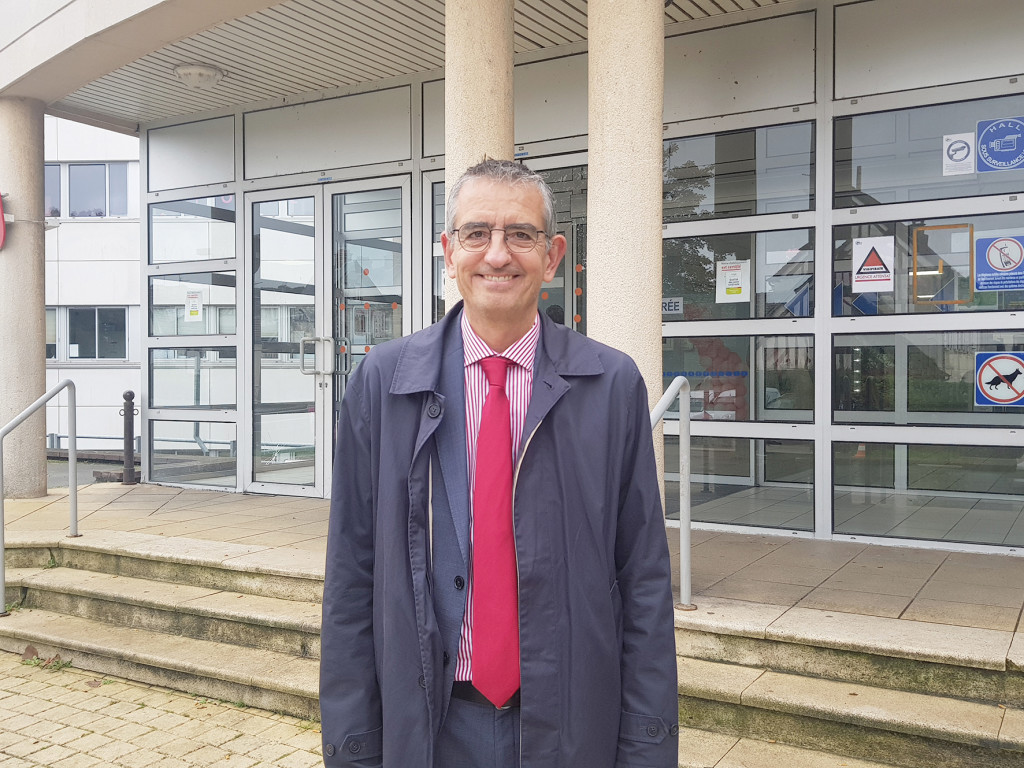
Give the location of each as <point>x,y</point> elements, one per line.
<point>873,260</point>
<point>193,306</point>
<point>957,154</point>
<point>1000,263</point>
<point>999,378</point>
<point>1000,144</point>
<point>732,285</point>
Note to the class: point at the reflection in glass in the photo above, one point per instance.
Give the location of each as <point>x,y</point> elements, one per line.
<point>722,383</point>
<point>780,277</point>
<point>193,453</point>
<point>739,173</point>
<point>564,299</point>
<point>935,270</point>
<point>192,304</point>
<point>192,230</point>
<point>284,295</point>
<point>201,377</point>
<point>760,483</point>
<point>896,157</point>
<point>437,227</point>
<point>939,379</point>
<point>87,190</point>
<point>960,493</point>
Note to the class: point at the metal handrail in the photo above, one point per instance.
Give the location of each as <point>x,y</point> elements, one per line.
<point>72,469</point>
<point>680,388</point>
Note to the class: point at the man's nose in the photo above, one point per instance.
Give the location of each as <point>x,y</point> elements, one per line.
<point>497,250</point>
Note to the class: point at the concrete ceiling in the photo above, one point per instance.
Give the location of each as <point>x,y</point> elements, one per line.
<point>302,46</point>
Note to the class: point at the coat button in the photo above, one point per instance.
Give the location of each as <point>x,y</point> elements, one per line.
<point>459,582</point>
<point>674,729</point>
<point>447,658</point>
<point>354,747</point>
<point>423,681</point>
<point>652,730</point>
<point>329,750</point>
<point>433,410</point>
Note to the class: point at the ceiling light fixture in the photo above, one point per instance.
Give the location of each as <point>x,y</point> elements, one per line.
<point>198,77</point>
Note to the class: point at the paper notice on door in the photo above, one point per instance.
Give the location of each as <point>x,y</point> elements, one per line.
<point>193,307</point>
<point>732,285</point>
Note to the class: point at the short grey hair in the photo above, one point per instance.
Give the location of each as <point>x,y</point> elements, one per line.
<point>509,173</point>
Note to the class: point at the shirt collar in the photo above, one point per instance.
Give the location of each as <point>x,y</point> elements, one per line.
<point>522,352</point>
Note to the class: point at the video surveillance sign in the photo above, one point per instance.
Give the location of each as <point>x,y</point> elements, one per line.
<point>1000,144</point>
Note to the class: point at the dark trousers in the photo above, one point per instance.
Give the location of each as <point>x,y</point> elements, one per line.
<point>478,736</point>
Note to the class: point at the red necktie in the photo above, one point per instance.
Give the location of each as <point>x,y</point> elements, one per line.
<point>495,582</point>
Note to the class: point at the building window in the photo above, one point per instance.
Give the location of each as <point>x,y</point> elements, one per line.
<point>193,304</point>
<point>51,333</point>
<point>51,190</point>
<point>199,377</point>
<point>739,173</point>
<point>97,333</point>
<point>87,190</point>
<point>192,230</point>
<point>911,154</point>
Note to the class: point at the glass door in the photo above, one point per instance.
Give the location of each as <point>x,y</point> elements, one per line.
<point>371,272</point>
<point>292,358</point>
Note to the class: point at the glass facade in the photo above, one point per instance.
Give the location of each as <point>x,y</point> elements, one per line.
<point>193,453</point>
<point>192,230</point>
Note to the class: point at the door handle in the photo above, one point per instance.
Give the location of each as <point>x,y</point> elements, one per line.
<point>329,357</point>
<point>302,355</point>
<point>346,356</point>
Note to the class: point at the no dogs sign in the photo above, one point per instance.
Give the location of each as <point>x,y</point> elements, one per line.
<point>999,378</point>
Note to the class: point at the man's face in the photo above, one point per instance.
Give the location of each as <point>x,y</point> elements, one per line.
<point>499,285</point>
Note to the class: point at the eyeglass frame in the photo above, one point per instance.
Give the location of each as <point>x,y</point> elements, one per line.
<point>504,238</point>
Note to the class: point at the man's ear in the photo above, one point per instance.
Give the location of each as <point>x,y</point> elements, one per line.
<point>555,253</point>
<point>448,245</point>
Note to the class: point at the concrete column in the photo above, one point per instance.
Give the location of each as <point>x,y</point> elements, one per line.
<point>22,296</point>
<point>626,81</point>
<point>478,116</point>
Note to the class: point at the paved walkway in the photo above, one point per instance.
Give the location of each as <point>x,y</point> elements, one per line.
<point>67,718</point>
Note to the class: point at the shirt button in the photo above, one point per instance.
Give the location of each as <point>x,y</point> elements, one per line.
<point>354,747</point>
<point>459,582</point>
<point>433,410</point>
<point>329,749</point>
<point>652,730</point>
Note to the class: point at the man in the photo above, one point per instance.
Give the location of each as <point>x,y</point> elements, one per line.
<point>497,589</point>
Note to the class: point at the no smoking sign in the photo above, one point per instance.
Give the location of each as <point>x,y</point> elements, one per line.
<point>999,378</point>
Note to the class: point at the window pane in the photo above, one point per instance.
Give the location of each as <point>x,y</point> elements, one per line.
<point>740,173</point>
<point>194,300</point>
<point>51,190</point>
<point>721,383</point>
<point>192,230</point>
<point>940,383</point>
<point>938,265</point>
<point>112,336</point>
<point>51,333</point>
<point>776,277</point>
<point>118,174</point>
<point>761,483</point>
<point>200,377</point>
<point>81,332</point>
<point>962,493</point>
<point>87,190</point>
<point>895,157</point>
<point>193,453</point>
<point>438,224</point>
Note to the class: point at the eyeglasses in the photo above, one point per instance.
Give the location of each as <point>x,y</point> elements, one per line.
<point>519,238</point>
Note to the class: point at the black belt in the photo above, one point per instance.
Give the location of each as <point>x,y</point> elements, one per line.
<point>465,690</point>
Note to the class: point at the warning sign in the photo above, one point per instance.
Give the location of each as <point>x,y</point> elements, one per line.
<point>999,379</point>
<point>1000,264</point>
<point>873,264</point>
<point>1000,144</point>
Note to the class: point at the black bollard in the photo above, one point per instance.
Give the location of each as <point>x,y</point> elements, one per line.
<point>128,478</point>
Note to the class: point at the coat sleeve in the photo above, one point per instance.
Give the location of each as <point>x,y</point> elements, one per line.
<point>350,703</point>
<point>648,730</point>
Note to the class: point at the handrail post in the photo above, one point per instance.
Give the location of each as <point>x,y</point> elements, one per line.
<point>680,388</point>
<point>72,469</point>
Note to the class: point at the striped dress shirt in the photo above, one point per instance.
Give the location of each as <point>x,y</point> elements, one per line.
<point>518,386</point>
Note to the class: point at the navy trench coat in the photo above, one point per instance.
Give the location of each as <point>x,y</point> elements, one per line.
<point>597,643</point>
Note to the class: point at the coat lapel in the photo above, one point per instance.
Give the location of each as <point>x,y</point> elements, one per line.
<point>451,438</point>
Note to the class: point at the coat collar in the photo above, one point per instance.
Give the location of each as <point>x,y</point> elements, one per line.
<point>561,353</point>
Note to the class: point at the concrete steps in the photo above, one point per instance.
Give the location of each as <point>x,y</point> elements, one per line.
<point>227,621</point>
<point>887,691</point>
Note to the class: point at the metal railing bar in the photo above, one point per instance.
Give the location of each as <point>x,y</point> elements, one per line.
<point>680,388</point>
<point>72,469</point>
